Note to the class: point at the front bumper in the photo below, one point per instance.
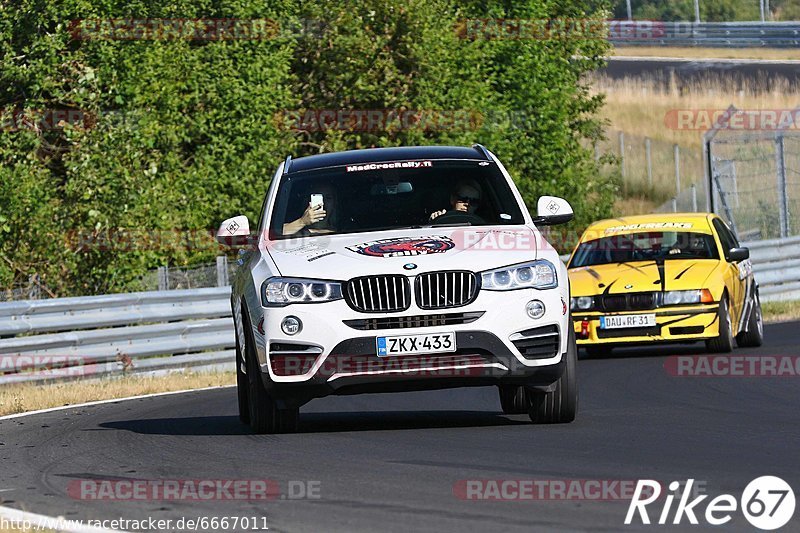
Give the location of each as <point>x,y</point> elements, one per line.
<point>331,356</point>
<point>673,324</point>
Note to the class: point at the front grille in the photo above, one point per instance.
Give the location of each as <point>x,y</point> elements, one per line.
<point>444,290</point>
<point>417,321</point>
<point>378,294</point>
<point>537,343</point>
<point>638,301</point>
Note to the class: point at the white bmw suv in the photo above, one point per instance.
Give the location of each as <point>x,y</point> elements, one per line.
<point>397,269</point>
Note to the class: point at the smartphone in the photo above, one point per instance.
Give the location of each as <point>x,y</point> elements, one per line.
<point>316,199</point>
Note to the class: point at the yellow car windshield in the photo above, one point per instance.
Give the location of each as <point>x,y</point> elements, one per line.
<point>645,246</point>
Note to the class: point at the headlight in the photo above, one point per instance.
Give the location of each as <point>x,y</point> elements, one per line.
<point>581,303</point>
<point>277,292</point>
<point>687,297</point>
<point>536,274</point>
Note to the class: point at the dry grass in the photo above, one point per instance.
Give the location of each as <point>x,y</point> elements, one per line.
<point>639,106</point>
<point>28,397</point>
<point>714,53</point>
<point>633,205</point>
<point>781,311</point>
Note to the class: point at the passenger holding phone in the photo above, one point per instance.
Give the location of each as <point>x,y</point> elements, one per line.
<point>315,219</point>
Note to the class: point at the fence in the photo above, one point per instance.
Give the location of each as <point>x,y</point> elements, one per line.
<point>709,34</point>
<point>755,178</point>
<point>164,278</point>
<point>654,169</point>
<point>72,338</point>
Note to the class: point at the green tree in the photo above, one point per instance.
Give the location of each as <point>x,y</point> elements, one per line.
<point>181,134</point>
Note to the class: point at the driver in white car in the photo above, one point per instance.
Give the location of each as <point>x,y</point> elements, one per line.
<point>466,198</point>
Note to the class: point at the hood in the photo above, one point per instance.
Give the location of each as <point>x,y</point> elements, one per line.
<point>641,276</point>
<point>429,249</point>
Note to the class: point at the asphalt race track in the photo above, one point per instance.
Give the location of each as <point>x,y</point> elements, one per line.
<point>391,462</point>
<point>769,74</point>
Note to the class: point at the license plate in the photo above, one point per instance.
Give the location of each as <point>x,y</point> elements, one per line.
<point>627,321</point>
<point>416,344</point>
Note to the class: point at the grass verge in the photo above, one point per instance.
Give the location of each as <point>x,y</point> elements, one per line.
<point>781,311</point>
<point>23,397</point>
<point>712,53</point>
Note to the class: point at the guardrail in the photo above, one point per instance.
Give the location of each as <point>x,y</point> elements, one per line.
<point>152,332</point>
<point>711,34</point>
<point>167,331</point>
<point>776,265</point>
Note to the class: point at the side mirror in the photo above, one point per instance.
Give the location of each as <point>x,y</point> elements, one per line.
<point>552,210</point>
<point>738,254</point>
<point>234,231</point>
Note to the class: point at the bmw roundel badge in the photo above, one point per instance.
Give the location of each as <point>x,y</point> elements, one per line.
<point>409,266</point>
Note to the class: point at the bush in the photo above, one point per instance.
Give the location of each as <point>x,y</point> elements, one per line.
<point>180,134</point>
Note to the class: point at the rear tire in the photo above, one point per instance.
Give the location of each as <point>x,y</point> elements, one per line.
<point>561,405</point>
<point>723,343</point>
<point>754,336</point>
<point>515,399</point>
<point>265,416</point>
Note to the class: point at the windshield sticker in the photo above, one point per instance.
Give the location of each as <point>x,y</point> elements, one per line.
<point>387,166</point>
<point>651,225</point>
<point>404,246</point>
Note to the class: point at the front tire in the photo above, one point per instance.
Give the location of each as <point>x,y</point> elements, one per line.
<point>561,405</point>
<point>515,399</point>
<point>242,388</point>
<point>723,343</point>
<point>754,336</point>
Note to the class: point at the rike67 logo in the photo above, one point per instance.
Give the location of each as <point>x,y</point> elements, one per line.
<point>767,503</point>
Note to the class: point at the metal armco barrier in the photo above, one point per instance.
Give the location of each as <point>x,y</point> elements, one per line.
<point>152,332</point>
<point>164,331</point>
<point>714,34</point>
<point>776,264</point>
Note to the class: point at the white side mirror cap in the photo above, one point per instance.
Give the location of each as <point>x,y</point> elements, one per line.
<point>234,231</point>
<point>551,210</point>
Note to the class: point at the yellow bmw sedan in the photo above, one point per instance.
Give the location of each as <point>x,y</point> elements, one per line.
<point>677,277</point>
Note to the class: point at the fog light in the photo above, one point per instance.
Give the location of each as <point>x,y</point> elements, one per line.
<point>535,309</point>
<point>291,325</point>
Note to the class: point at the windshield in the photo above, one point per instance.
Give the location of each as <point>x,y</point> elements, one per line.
<point>648,246</point>
<point>393,195</point>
